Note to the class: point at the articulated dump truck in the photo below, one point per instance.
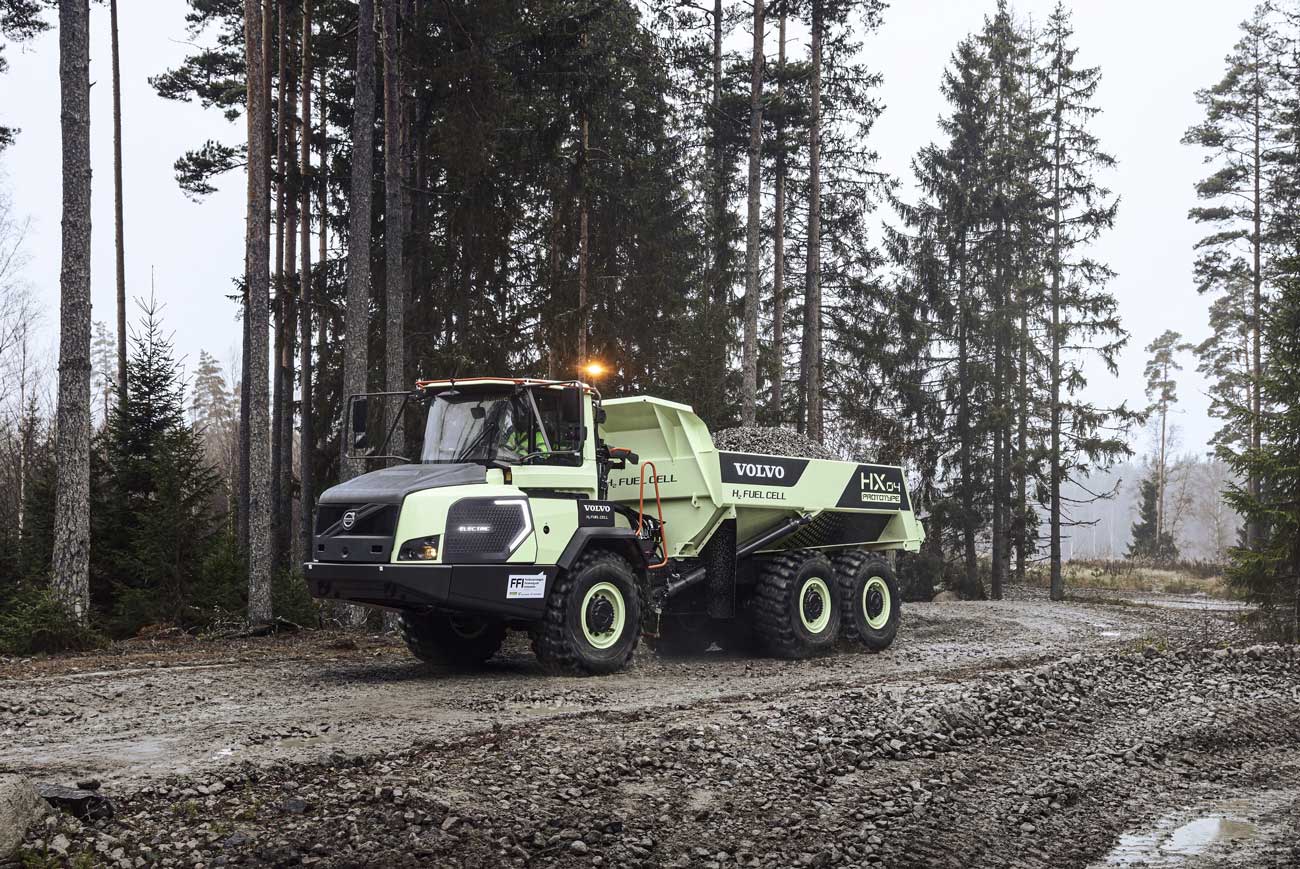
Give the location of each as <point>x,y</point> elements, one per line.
<point>535,505</point>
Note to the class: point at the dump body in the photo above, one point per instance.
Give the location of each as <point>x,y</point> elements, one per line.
<point>849,504</point>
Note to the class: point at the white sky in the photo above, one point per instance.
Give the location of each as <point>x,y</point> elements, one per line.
<point>1154,54</point>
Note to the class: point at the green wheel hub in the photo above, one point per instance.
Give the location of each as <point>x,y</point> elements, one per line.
<point>603,615</point>
<point>876,603</point>
<point>815,604</point>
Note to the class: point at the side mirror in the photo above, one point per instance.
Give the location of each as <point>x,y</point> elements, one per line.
<point>360,411</point>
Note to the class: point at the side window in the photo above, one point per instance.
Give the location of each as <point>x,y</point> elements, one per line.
<point>561,411</point>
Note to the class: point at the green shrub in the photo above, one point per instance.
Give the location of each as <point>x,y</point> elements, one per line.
<point>33,621</point>
<point>291,600</point>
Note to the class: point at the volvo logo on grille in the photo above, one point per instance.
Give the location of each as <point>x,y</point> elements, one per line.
<point>349,519</point>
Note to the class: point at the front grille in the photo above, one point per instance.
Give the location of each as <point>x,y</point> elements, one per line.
<point>369,537</point>
<point>369,520</point>
<point>481,530</point>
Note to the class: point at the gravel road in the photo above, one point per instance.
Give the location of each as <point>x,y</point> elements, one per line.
<point>1021,733</point>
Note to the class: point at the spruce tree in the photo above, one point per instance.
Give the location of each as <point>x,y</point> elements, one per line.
<point>156,528</point>
<point>1149,543</point>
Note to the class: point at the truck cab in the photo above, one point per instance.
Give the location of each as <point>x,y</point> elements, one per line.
<point>506,492</point>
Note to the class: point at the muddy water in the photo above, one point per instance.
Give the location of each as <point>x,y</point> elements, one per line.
<point>1194,836</point>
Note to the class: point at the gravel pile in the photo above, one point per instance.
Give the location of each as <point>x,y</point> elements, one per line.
<point>770,441</point>
<point>1037,768</point>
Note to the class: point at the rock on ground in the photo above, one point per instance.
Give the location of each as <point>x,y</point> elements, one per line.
<point>20,808</point>
<point>770,441</point>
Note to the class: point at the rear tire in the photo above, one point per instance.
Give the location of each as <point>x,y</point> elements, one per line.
<point>797,605</point>
<point>593,617</point>
<point>448,638</point>
<point>872,604</point>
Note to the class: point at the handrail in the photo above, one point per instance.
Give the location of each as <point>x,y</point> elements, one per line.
<point>659,507</point>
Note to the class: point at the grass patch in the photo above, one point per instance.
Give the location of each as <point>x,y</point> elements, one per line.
<point>1136,577</point>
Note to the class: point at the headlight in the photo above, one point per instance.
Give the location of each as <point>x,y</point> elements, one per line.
<point>419,549</point>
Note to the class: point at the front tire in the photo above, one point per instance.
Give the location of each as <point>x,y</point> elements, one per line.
<point>593,617</point>
<point>872,604</point>
<point>447,638</point>
<point>797,605</point>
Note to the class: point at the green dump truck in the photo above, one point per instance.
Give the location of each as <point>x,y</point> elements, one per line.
<point>535,505</point>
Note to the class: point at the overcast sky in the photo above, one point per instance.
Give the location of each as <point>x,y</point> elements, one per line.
<point>1153,53</point>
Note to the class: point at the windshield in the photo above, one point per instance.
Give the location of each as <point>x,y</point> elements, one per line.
<point>500,426</point>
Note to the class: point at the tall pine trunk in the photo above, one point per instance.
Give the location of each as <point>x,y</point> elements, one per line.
<point>1054,458</point>
<point>778,239</point>
<point>258,245</point>
<point>282,236</point>
<point>119,231</point>
<point>812,312</point>
<point>307,446</point>
<point>584,236</point>
<point>289,321</point>
<point>749,349</point>
<point>356,338</point>
<point>394,253</point>
<point>1253,532</point>
<point>971,586</point>
<point>71,557</point>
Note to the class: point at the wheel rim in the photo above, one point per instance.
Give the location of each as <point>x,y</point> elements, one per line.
<point>876,602</point>
<point>815,605</point>
<point>603,615</point>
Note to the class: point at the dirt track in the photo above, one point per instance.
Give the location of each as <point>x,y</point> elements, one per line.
<point>1020,733</point>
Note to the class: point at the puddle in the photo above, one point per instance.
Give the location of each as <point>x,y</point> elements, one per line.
<point>1173,840</point>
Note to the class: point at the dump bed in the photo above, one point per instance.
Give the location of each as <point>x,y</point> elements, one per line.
<point>850,504</point>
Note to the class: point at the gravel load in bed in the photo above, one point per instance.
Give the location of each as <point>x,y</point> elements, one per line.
<point>770,441</point>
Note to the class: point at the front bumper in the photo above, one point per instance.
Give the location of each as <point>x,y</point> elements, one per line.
<point>517,590</point>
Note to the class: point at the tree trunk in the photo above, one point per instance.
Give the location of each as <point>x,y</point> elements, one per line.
<point>395,298</point>
<point>245,403</point>
<point>118,225</point>
<point>282,241</point>
<point>749,349</point>
<point>812,329</point>
<point>307,439</point>
<point>356,339</point>
<point>778,239</point>
<point>288,325</point>
<point>972,587</point>
<point>1054,483</point>
<point>258,256</point>
<point>1253,531</point>
<point>71,557</point>
<point>1022,443</point>
<point>584,238</point>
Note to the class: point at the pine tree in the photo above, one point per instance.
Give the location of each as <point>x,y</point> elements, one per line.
<point>71,561</point>
<point>357,329</point>
<point>256,309</point>
<point>119,228</point>
<point>1237,134</point>
<point>1162,392</point>
<point>394,218</point>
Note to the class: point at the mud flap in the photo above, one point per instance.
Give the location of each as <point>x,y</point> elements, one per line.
<point>719,557</point>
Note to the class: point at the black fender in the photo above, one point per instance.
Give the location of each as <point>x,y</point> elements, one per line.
<point>621,540</point>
